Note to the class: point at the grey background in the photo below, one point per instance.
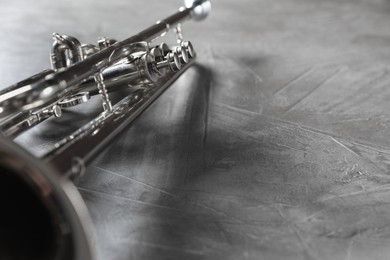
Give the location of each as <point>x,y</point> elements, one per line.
<point>275,146</point>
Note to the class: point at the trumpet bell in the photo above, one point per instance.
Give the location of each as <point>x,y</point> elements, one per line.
<point>42,216</point>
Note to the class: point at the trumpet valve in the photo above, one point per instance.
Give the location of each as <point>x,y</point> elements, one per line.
<point>164,48</point>
<point>158,54</point>
<point>170,61</point>
<point>188,48</point>
<point>55,111</point>
<point>182,54</point>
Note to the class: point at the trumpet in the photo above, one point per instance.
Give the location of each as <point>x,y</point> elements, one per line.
<point>47,218</point>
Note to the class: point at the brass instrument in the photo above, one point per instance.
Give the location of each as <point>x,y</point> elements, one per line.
<point>46,217</point>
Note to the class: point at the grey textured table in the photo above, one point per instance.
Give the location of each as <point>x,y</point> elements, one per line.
<point>274,146</point>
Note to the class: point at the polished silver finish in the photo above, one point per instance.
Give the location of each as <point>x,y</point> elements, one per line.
<point>98,77</point>
<point>104,42</point>
<point>188,48</point>
<point>200,8</point>
<point>79,71</point>
<point>274,146</point>
<point>66,51</point>
<point>52,111</point>
<point>182,54</point>
<point>164,48</point>
<point>64,212</point>
<point>74,100</point>
<point>171,61</point>
<point>56,86</point>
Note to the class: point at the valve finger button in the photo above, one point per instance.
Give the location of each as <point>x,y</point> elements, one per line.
<point>189,49</point>
<point>74,100</point>
<point>171,61</point>
<point>174,62</point>
<point>183,56</point>
<point>157,54</point>
<point>164,48</point>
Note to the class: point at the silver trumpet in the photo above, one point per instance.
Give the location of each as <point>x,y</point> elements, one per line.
<point>46,217</point>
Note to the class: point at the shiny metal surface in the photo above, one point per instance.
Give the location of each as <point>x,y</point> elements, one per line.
<point>72,67</point>
<point>274,147</point>
<point>48,219</point>
<point>43,216</point>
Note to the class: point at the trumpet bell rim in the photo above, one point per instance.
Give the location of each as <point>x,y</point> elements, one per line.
<point>44,215</point>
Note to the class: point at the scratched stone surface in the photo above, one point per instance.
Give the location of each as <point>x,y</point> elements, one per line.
<point>274,146</point>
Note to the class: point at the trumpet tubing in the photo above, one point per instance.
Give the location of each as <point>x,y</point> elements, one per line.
<point>57,226</point>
